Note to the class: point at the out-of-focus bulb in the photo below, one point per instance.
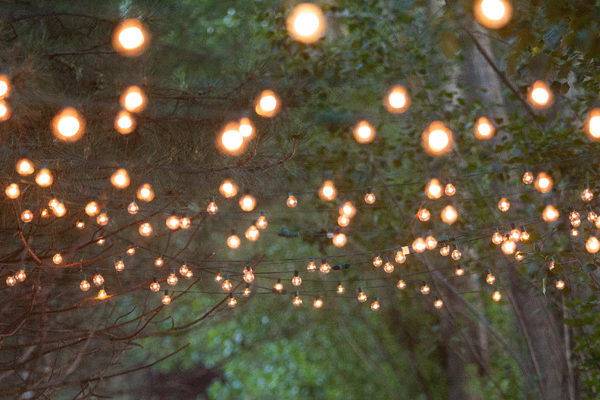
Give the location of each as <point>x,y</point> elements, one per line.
<point>543,183</point>
<point>339,239</point>
<point>92,209</point>
<point>231,301</point>
<point>133,99</point>
<point>24,167</point>
<point>592,124</point>
<point>125,122</point>
<point>490,279</point>
<point>252,233</point>
<point>166,299</point>
<point>120,178</point>
<point>68,125</point>
<point>496,296</point>
<point>173,222</point>
<point>370,198</point>
<point>233,241</point>
<point>27,216</point>
<point>5,111</point>
<point>503,204</point>
<point>324,267</point>
<point>400,257</point>
<point>508,247</point>
<point>388,267</point>
<point>154,286</point>
<point>119,265</point>
<point>159,262</point>
<point>550,213</point>
<point>278,286</point>
<point>228,188</point>
<point>246,128</point>
<point>433,189</point>
<point>297,300</point>
<point>145,229</point>
<point>401,284</point>
<point>311,266</point>
<point>425,289</point>
<point>5,86</point>
<point>493,14</point>
<point>318,303</point>
<point>231,141</point>
<point>130,38</point>
<point>587,195</point>
<point>449,190</point>
<point>484,129</point>
<point>98,280</point>
<point>377,261</point>
<point>267,104</point>
<point>172,279</point>
<point>296,279</point>
<point>361,296</point>
<point>364,132</point>
<point>397,99</point>
<point>431,242</point>
<point>133,208</point>
<point>419,245</point>
<point>592,245</point>
<point>145,193</point>
<point>438,303</point>
<point>449,214</point>
<point>261,222</point>
<point>247,202</point>
<point>212,208</point>
<point>57,259</point>
<point>328,192</point>
<point>437,139</point>
<point>540,96</point>
<point>527,178</point>
<point>21,275</point>
<point>423,215</point>
<point>348,209</point>
<point>340,289</point>
<point>306,23</point>
<point>291,201</point>
<point>459,271</point>
<point>560,284</point>
<point>102,219</point>
<point>84,285</point>
<point>497,238</point>
<point>12,191</point>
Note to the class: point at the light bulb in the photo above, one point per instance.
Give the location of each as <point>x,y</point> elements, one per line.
<point>44,178</point>
<point>120,178</point>
<point>497,238</point>
<point>423,215</point>
<point>340,289</point>
<point>524,235</point>
<point>228,188</point>
<point>592,124</point>
<point>131,251</point>
<point>231,301</point>
<point>297,300</point>
<point>388,267</point>
<point>508,247</point>
<point>433,189</point>
<point>252,233</point>
<point>5,111</point>
<point>419,245</point>
<point>102,219</point>
<point>397,99</point>
<point>560,284</point>
<point>57,259</point>
<point>377,261</point>
<point>248,275</point>
<point>540,96</point>
<point>490,279</point>
<point>437,139</point>
<point>24,167</point>
<point>587,195</point>
<point>261,222</point>
<point>119,265</point>
<point>515,234</point>
<point>291,201</point>
<point>278,286</point>
<point>425,289</point>
<point>231,141</point>
<point>166,299</point>
<point>246,128</point>
<point>459,271</point>
<point>324,267</point>
<point>438,303</point>
<point>401,284</point>
<point>247,291</point>
<point>145,193</point>
<point>445,250</point>
<point>592,245</point>
<point>400,257</point>
<point>226,285</point>
<point>98,280</point>
<point>496,296</point>
<point>543,183</point>
<point>503,204</point>
<point>361,296</point>
<point>145,229</point>
<point>130,38</point>
<point>247,202</point>
<point>154,286</point>
<point>59,210</point>
<point>212,208</point>
<point>173,222</point>
<point>133,99</point>
<point>133,208</point>
<point>370,198</point>
<point>185,223</point>
<point>172,279</point>
<point>431,242</point>
<point>159,262</point>
<point>84,285</point>
<point>79,224</point>
<point>27,216</point>
<point>311,266</point>
<point>328,192</point>
<point>493,14</point>
<point>364,132</point>
<point>318,303</point>
<point>550,213</point>
<point>11,280</point>
<point>124,122</point>
<point>527,178</point>
<point>5,86</point>
<point>456,255</point>
<point>267,104</point>
<point>449,214</point>
<point>449,190</point>
<point>339,239</point>
<point>306,23</point>
<point>21,275</point>
<point>233,241</point>
<point>92,209</point>
<point>484,129</point>
<point>12,191</point>
<point>68,125</point>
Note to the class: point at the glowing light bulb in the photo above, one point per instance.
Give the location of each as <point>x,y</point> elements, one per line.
<point>130,38</point>
<point>592,124</point>
<point>497,238</point>
<point>328,192</point>
<point>246,128</point>
<point>361,296</point>
<point>388,267</point>
<point>11,280</point>
<point>540,96</point>
<point>226,285</point>
<point>261,221</point>
<point>185,223</point>
<point>247,202</point>
<point>592,245</point>
<point>159,262</point>
<point>449,190</point>
<point>133,208</point>
<point>172,279</point>
<point>543,183</point>
<point>587,195</point>
<point>318,303</point>
<point>297,300</point>
<point>306,23</point>
<point>166,299</point>
<point>311,266</point>
<point>24,167</point>
<point>267,104</point>
<point>348,209</point>
<point>370,198</point>
<point>145,193</point>
<point>252,233</point>
<point>397,99</point>
<point>324,267</point>
<point>248,275</point>
<point>233,241</point>
<point>493,14</point>
<point>5,86</point>
<point>503,204</point>
<point>68,125</point>
<point>21,275</point>
<point>401,284</point>
<point>247,291</point>
<point>231,141</point>
<point>423,215</point>
<point>400,257</point>
<point>524,235</point>
<point>425,289</point>
<point>527,178</point>
<point>437,139</point>
<point>27,216</point>
<point>343,221</point>
<point>550,213</point>
<point>419,245</point>
<point>120,178</point>
<point>98,280</point>
<point>560,284</point>
<point>212,208</point>
<point>484,129</point>
<point>92,208</point>
<point>496,296</point>
<point>278,286</point>
<point>119,265</point>
<point>364,132</point>
<point>438,303</point>
<point>102,219</point>
<point>490,279</point>
<point>125,123</point>
<point>291,201</point>
<point>84,285</point>
<point>154,286</point>
<point>433,189</point>
<point>79,224</point>
<point>449,214</point>
<point>173,222</point>
<point>459,271</point>
<point>377,261</point>
<point>431,242</point>
<point>515,234</point>
<point>133,99</point>
<point>456,255</point>
<point>231,301</point>
<point>12,191</point>
<point>59,210</point>
<point>145,229</point>
<point>131,251</point>
<point>228,188</point>
<point>508,247</point>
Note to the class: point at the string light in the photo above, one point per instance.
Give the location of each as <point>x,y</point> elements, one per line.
<point>560,284</point>
<point>248,275</point>
<point>133,208</point>
<point>438,303</point>
<point>79,224</point>
<point>98,280</point>
<point>400,257</point>
<point>212,208</point>
<point>388,267</point>
<point>5,86</point>
<point>497,238</point>
<point>527,178</point>
<point>328,192</point>
<point>231,141</point>
<point>540,96</point>
<point>231,301</point>
<point>364,132</point>
<point>377,261</point>
<point>324,267</point>
<point>233,241</point>
<point>437,139</point>
<point>306,23</point>
<point>401,284</point>
<point>278,286</point>
<point>102,219</point>
<point>397,99</point>
<point>484,129</point>
<point>130,38</point>
<point>247,291</point>
<point>425,289</point>
<point>166,299</point>
<point>159,262</point>
<point>154,286</point>
<point>291,201</point>
<point>508,247</point>
<point>84,285</point>
<point>133,99</point>
<point>592,245</point>
<point>493,14</point>
<point>119,265</point>
<point>145,193</point>
<point>550,213</point>
<point>24,167</point>
<point>503,204</point>
<point>459,271</point>
<point>252,233</point>
<point>145,229</point>
<point>120,178</point>
<point>449,214</point>
<point>21,275</point>
<point>449,190</point>
<point>433,189</point>
<point>311,266</point>
<point>92,209</point>
<point>68,125</point>
<point>173,222</point>
<point>419,245</point>
<point>587,195</point>
<point>423,215</point>
<point>456,255</point>
<point>340,289</point>
<point>370,198</point>
<point>431,242</point>
<point>445,250</point>
<point>267,104</point>
<point>125,123</point>
<point>496,296</point>
<point>348,209</point>
<point>27,216</point>
<point>592,124</point>
<point>12,191</point>
<point>318,303</point>
<point>339,239</point>
<point>375,305</point>
<point>57,259</point>
<point>543,183</point>
<point>131,251</point>
<point>11,280</point>
<point>172,279</point>
<point>490,279</point>
<point>246,128</point>
<point>247,202</point>
<point>296,300</point>
<point>228,188</point>
<point>261,221</point>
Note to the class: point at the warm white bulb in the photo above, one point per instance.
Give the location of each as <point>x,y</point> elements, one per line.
<point>306,23</point>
